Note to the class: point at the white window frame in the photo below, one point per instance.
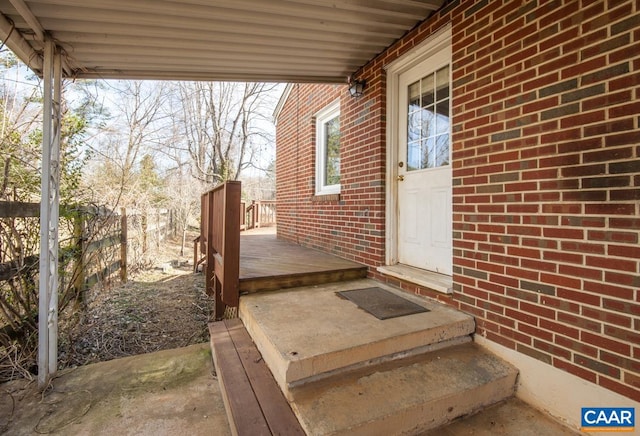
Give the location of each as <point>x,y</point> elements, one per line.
<point>322,117</point>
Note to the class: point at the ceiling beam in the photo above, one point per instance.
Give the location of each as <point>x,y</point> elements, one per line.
<point>34,24</point>
<point>31,19</point>
<point>233,76</point>
<point>190,65</point>
<point>14,40</point>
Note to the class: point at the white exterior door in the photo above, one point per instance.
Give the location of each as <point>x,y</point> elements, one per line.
<point>424,194</point>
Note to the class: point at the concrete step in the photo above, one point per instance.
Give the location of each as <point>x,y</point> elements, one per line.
<point>406,396</point>
<point>306,334</point>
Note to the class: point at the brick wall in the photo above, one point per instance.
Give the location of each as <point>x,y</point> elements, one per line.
<point>546,168</point>
<point>351,224</point>
<point>546,175</point>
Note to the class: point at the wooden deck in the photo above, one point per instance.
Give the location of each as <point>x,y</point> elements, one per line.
<point>268,263</point>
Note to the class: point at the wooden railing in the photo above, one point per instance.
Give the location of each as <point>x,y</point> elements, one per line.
<point>260,213</point>
<point>219,241</point>
<point>243,215</point>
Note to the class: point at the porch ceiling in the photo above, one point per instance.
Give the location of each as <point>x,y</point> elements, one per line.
<point>245,40</point>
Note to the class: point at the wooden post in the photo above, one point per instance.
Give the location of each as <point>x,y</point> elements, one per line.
<point>123,245</point>
<point>243,216</point>
<point>143,219</point>
<point>221,227</point>
<point>196,241</point>
<point>231,244</point>
<point>158,228</point>
<point>256,214</point>
<point>172,224</point>
<point>212,285</point>
<point>79,236</point>
<point>204,219</point>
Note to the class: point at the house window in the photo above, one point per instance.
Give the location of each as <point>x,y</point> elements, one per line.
<point>428,121</point>
<point>328,150</point>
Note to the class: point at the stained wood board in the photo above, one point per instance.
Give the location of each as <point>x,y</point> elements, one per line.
<point>245,414</point>
<point>275,408</point>
<point>267,262</point>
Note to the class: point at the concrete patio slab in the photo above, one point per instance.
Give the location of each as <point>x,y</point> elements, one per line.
<point>307,333</point>
<point>170,392</point>
<point>509,418</point>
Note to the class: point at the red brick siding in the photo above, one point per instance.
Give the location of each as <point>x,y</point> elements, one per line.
<point>350,225</point>
<point>546,168</point>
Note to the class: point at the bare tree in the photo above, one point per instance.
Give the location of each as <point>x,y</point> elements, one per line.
<point>183,198</point>
<point>223,125</point>
<point>138,126</point>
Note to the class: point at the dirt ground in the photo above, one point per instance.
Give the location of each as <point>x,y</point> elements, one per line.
<point>160,308</point>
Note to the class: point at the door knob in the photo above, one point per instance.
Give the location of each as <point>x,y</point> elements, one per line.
<point>400,178</point>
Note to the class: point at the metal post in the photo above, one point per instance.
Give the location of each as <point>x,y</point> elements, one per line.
<point>56,125</point>
<point>49,214</point>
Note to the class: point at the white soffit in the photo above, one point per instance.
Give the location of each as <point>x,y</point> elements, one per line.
<point>241,40</point>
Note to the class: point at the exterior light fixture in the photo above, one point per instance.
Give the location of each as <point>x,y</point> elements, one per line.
<point>356,87</point>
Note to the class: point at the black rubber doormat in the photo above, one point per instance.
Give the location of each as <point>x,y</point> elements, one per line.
<point>381,303</point>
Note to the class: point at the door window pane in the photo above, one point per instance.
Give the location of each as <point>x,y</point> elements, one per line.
<point>414,156</point>
<point>414,126</point>
<point>428,155</point>
<point>414,96</point>
<point>427,86</point>
<point>428,121</point>
<point>441,151</point>
<point>442,110</point>
<point>442,85</point>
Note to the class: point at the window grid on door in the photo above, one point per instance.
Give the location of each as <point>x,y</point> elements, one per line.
<point>428,121</point>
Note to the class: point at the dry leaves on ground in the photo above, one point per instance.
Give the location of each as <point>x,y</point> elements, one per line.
<point>161,308</point>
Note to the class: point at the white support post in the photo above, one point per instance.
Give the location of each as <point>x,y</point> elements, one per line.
<point>56,125</point>
<point>49,214</point>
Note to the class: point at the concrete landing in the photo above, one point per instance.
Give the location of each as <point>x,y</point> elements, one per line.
<point>407,396</point>
<point>308,333</point>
